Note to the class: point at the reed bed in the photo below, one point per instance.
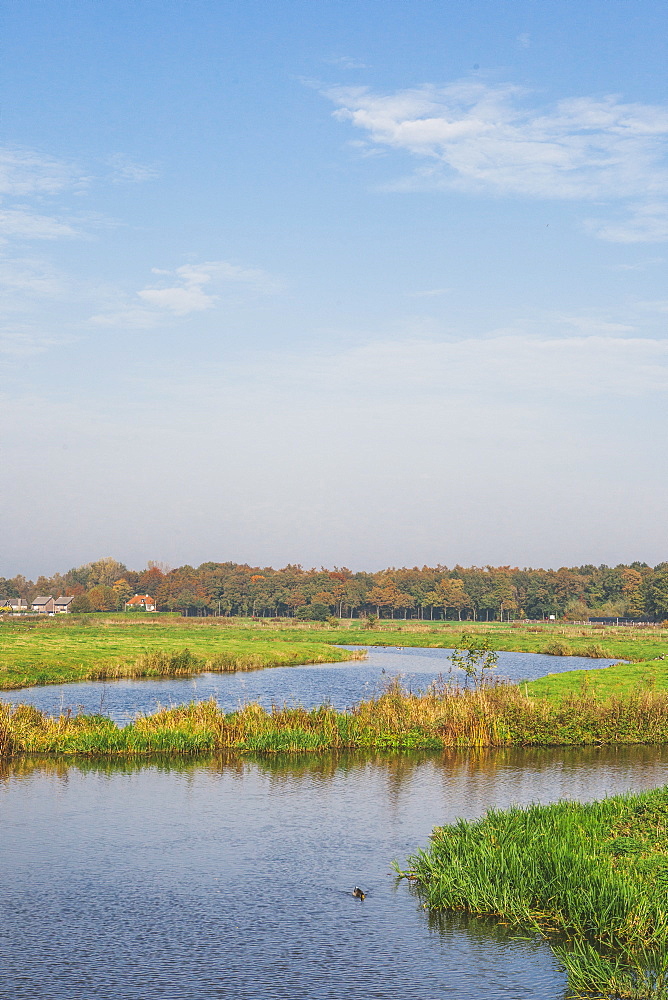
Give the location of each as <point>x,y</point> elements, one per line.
<point>592,878</point>
<point>445,717</point>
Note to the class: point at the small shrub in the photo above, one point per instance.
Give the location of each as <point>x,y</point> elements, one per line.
<point>597,652</point>
<point>557,647</point>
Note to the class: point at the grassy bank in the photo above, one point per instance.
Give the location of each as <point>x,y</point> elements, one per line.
<point>592,878</point>
<point>444,718</point>
<point>74,648</point>
<point>618,680</point>
<point>97,647</point>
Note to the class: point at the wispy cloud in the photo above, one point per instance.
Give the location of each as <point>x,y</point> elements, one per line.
<point>24,172</point>
<point>501,365</point>
<point>346,62</point>
<point>125,170</point>
<point>25,341</point>
<point>22,280</point>
<point>191,288</point>
<point>475,137</point>
<point>29,225</point>
<point>645,224</point>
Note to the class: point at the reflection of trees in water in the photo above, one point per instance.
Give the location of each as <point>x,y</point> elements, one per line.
<point>475,768</point>
<point>398,767</point>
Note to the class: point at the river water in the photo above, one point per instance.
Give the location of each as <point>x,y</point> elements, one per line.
<point>341,684</point>
<point>232,877</point>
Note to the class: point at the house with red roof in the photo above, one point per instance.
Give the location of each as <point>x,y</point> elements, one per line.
<point>141,602</point>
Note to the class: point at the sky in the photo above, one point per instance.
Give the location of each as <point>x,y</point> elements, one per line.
<point>365,284</point>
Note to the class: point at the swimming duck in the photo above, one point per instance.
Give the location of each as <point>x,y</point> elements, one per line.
<point>357,893</point>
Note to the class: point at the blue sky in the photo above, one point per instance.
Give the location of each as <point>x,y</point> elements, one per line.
<point>365,284</point>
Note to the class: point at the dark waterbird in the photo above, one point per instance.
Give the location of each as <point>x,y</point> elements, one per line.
<point>357,893</point>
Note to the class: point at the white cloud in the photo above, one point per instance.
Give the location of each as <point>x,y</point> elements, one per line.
<point>593,325</point>
<point>27,279</point>
<point>505,364</point>
<point>347,62</point>
<point>188,289</point>
<point>524,40</point>
<point>645,224</point>
<point>21,341</point>
<point>475,137</point>
<point>125,170</point>
<point>25,224</point>
<point>24,172</point>
<point>179,299</point>
<point>188,294</point>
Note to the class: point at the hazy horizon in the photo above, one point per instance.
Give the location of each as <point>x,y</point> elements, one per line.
<point>333,284</point>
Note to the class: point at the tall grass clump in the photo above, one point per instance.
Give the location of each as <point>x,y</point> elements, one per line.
<point>592,878</point>
<point>557,647</point>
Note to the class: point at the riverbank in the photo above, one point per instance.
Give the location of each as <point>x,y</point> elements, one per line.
<point>592,878</point>
<point>446,717</point>
<point>72,648</point>
<point>105,647</point>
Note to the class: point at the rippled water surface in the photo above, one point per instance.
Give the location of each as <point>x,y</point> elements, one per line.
<point>342,684</point>
<point>232,878</point>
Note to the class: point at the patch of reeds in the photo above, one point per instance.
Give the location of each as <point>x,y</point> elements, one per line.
<point>557,647</point>
<point>592,878</point>
<point>596,651</point>
<point>445,717</point>
<point>179,663</point>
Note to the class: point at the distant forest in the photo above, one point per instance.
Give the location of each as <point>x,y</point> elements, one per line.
<point>489,593</point>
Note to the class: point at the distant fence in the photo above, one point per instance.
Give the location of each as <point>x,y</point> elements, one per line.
<point>619,621</point>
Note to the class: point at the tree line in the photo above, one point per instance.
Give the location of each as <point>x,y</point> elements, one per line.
<point>489,593</point>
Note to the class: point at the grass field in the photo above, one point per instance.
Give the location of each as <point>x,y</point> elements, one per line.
<point>94,647</point>
<point>592,878</point>
<point>72,648</point>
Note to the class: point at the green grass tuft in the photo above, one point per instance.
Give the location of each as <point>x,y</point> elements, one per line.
<point>592,878</point>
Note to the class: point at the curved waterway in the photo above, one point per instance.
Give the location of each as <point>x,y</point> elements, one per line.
<point>340,684</point>
<point>231,879</point>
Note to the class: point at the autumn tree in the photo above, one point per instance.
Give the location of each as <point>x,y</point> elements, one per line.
<point>451,594</point>
<point>102,598</point>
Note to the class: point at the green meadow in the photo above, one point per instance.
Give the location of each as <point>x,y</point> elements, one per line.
<point>96,646</point>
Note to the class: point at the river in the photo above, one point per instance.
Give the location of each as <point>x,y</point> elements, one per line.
<point>341,684</point>
<point>232,877</point>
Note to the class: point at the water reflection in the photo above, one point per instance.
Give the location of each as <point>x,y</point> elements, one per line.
<point>231,877</point>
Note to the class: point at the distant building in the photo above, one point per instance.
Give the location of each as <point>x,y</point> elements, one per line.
<point>141,602</point>
<point>62,605</point>
<point>44,605</point>
<point>618,621</point>
<point>14,604</point>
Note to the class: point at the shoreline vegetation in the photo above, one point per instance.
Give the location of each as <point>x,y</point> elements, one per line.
<point>626,703</point>
<point>72,648</point>
<point>446,717</point>
<point>591,878</point>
